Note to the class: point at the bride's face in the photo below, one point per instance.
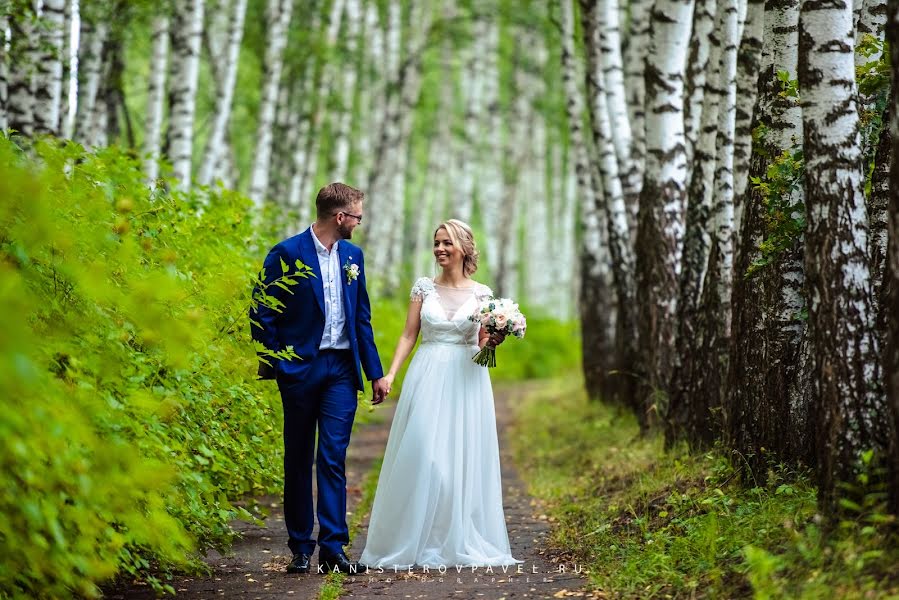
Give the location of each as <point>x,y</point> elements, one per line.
<point>447,254</point>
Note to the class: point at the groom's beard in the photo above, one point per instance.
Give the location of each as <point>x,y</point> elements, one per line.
<point>345,232</point>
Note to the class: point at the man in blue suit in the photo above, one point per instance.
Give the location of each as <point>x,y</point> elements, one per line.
<point>326,317</point>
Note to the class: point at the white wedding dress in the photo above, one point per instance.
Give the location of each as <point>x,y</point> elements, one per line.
<point>439,496</point>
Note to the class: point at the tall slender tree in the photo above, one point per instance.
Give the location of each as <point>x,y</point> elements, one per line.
<point>277,19</point>
<point>852,414</point>
<point>156,92</point>
<point>891,308</point>
<point>595,309</point>
<point>662,199</point>
<point>186,35</point>
<point>215,144</point>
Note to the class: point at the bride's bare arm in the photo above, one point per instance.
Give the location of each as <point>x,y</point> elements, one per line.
<point>407,340</point>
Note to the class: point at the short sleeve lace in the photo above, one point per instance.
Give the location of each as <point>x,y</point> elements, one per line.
<point>421,288</point>
<point>482,291</point>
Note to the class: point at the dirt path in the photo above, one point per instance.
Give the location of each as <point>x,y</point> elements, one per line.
<point>256,567</point>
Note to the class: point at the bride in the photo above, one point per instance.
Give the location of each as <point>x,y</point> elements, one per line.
<point>439,495</point>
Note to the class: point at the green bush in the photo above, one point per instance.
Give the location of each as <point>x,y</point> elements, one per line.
<point>130,415</point>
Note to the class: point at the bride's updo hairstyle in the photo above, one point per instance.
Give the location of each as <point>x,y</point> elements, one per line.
<point>461,235</point>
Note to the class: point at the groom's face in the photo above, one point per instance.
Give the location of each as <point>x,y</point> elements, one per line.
<point>348,220</point>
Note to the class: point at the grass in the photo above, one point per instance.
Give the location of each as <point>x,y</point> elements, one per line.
<point>646,523</point>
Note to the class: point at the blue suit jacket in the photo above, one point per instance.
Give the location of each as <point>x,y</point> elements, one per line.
<point>302,320</point>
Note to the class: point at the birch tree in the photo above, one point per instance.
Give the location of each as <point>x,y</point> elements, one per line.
<point>4,69</point>
<point>635,79</point>
<point>25,54</point>
<point>277,18</point>
<point>348,93</point>
<point>605,163</point>
<point>853,415</point>
<point>156,94</point>
<point>748,67</point>
<point>891,308</point>
<point>48,86</point>
<point>215,144</point>
<point>90,116</point>
<point>187,27</point>
<point>594,307</point>
<point>696,408</point>
<point>661,217</point>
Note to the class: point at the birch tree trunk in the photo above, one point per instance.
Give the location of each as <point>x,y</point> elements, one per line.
<point>156,96</point>
<point>369,101</point>
<point>277,21</point>
<point>605,164</point>
<point>878,240</point>
<point>4,70</point>
<point>871,22</point>
<point>661,217</point>
<point>695,413</point>
<point>524,189</point>
<point>748,67</point>
<point>345,118</point>
<point>48,76</point>
<point>891,308</point>
<point>635,80</point>
<point>473,89</point>
<point>782,279</point>
<point>593,303</point>
<point>616,93</point>
<point>89,117</point>
<point>67,123</point>
<point>681,423</point>
<point>187,28</point>
<point>25,55</point>
<point>852,415</point>
<point>215,144</point>
<point>700,59</point>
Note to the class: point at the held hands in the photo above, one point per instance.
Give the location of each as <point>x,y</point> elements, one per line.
<point>379,388</point>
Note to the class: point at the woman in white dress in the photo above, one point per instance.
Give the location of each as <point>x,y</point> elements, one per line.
<point>439,496</point>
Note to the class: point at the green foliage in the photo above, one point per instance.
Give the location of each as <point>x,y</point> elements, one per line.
<point>784,214</point>
<point>131,414</point>
<point>646,523</point>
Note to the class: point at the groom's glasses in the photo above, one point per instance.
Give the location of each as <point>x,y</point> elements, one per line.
<point>357,217</point>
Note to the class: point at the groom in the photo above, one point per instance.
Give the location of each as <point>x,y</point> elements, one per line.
<point>326,317</point>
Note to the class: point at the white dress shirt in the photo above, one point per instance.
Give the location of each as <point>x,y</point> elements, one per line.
<point>335,336</point>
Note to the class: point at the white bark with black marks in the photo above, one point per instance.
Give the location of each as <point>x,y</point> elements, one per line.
<point>215,144</point>
<point>350,75</point>
<point>48,84</point>
<point>277,18</point>
<point>156,96</point>
<point>852,415</point>
<point>186,36</point>
<point>635,79</point>
<point>661,218</point>
<point>749,58</point>
<point>699,65</point>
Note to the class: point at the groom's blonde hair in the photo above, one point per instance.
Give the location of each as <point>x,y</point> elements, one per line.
<point>462,236</point>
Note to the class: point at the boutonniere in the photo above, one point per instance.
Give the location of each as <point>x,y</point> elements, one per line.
<point>351,270</point>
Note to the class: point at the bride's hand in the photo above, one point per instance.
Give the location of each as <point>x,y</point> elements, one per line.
<point>388,380</point>
<point>495,339</point>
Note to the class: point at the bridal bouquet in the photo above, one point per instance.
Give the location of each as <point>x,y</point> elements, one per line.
<point>497,315</point>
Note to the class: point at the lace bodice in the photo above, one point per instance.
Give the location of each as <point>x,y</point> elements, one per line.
<point>445,311</point>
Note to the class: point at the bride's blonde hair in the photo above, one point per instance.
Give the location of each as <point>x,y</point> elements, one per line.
<point>462,236</point>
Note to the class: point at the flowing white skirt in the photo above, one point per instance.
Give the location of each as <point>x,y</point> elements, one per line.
<point>439,496</point>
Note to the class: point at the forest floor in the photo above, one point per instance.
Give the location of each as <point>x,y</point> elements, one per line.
<point>255,567</point>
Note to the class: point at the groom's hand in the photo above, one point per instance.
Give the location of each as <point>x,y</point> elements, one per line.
<point>379,390</point>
